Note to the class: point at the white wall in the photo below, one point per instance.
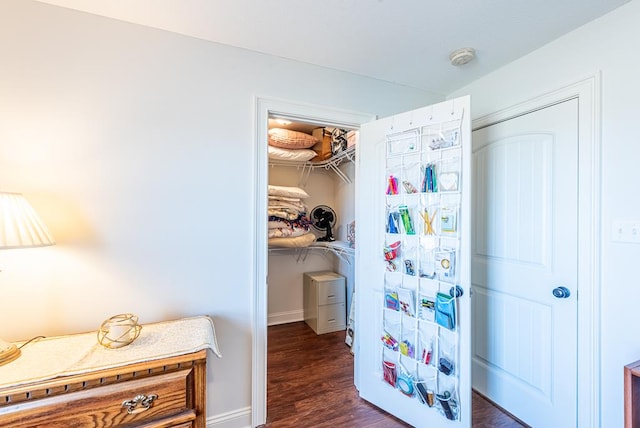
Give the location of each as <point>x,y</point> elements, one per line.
<point>137,148</point>
<point>286,268</point>
<point>608,45</point>
<point>345,194</point>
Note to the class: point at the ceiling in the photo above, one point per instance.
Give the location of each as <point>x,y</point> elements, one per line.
<point>401,41</point>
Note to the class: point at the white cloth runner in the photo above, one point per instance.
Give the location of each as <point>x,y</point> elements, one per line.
<point>54,357</point>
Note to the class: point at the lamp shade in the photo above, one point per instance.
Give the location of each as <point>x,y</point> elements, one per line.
<point>20,226</point>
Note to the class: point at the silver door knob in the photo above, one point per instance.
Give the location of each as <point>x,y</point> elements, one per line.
<point>561,292</point>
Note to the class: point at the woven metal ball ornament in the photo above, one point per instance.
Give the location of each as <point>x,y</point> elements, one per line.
<point>118,331</point>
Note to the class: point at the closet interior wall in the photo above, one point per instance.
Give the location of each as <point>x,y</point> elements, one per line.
<point>287,267</point>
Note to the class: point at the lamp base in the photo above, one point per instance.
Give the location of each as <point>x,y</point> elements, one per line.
<point>9,354</point>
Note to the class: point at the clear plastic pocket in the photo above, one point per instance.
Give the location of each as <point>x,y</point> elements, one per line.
<point>449,174</point>
<point>411,178</point>
<point>389,367</point>
<point>445,311</point>
<point>448,404</point>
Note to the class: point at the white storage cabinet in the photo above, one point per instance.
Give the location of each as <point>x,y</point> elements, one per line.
<point>324,301</point>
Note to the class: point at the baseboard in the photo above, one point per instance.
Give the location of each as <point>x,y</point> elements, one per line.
<point>285,317</point>
<point>240,418</point>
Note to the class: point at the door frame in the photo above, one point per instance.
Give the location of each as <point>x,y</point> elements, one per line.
<point>295,111</point>
<point>587,92</point>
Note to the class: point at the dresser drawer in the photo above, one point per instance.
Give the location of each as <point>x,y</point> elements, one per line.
<point>102,406</point>
<point>330,292</point>
<point>331,318</point>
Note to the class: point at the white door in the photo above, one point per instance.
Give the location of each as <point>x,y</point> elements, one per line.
<point>524,252</point>
<point>412,338</point>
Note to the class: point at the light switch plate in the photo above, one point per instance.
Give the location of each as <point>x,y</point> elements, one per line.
<point>626,231</point>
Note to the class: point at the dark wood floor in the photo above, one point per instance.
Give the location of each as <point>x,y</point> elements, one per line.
<point>310,384</point>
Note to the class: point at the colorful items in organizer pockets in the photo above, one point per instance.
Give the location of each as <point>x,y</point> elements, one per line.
<point>390,254</point>
<point>428,221</point>
<point>409,269</point>
<point>445,264</point>
<point>445,366</point>
<point>445,311</point>
<point>425,395</point>
<point>427,308</point>
<point>405,385</point>
<point>426,355</point>
<point>391,300</point>
<point>390,342</point>
<point>406,298</point>
<point>393,222</point>
<point>419,316</point>
<point>407,349</point>
<point>448,221</point>
<point>391,250</point>
<point>448,404</point>
<point>429,180</point>
<point>426,349</point>
<point>407,223</point>
<point>392,186</point>
<point>408,187</point>
<point>389,372</point>
<point>404,380</point>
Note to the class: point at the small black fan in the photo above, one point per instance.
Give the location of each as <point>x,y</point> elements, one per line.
<point>323,219</point>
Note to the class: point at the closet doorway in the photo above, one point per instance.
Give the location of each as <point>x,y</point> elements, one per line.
<point>333,185</point>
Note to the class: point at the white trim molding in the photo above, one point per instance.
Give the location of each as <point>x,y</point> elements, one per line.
<point>265,108</point>
<point>285,317</point>
<point>587,92</point>
<point>240,418</point>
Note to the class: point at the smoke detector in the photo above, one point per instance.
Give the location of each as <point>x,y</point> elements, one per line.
<point>462,56</point>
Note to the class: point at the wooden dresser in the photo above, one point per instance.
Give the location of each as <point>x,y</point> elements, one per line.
<point>632,395</point>
<point>169,392</point>
<point>94,391</point>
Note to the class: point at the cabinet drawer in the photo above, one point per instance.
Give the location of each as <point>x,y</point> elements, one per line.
<point>331,318</point>
<point>330,292</point>
<point>101,406</point>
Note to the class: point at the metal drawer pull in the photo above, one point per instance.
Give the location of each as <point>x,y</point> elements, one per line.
<point>144,401</point>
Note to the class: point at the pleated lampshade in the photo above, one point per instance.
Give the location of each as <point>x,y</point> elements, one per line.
<point>20,226</point>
